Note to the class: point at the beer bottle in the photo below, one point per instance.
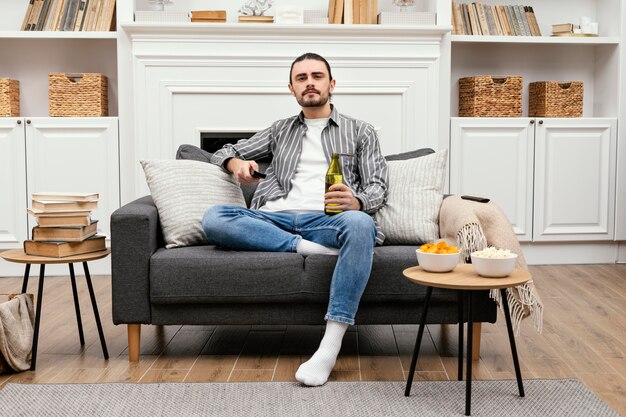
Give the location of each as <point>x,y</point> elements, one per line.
<point>333,176</point>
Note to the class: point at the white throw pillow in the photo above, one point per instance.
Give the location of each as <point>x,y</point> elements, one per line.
<point>182,191</point>
<point>414,197</point>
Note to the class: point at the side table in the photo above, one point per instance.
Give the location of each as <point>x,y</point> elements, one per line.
<point>465,280</point>
<point>18,256</point>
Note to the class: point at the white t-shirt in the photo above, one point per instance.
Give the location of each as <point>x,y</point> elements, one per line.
<point>308,183</point>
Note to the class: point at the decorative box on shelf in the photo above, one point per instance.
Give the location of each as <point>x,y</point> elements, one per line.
<point>407,18</point>
<point>161,16</point>
<point>488,96</point>
<point>555,99</point>
<point>9,97</point>
<point>77,95</point>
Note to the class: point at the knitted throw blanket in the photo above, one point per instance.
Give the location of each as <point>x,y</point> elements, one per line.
<point>473,226</point>
<point>16,331</point>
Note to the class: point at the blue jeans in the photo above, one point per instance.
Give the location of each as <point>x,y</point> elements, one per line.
<point>353,232</point>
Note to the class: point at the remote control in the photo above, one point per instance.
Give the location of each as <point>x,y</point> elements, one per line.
<point>474,198</point>
<point>257,174</point>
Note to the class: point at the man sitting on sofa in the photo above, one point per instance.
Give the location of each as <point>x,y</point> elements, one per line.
<point>287,213</point>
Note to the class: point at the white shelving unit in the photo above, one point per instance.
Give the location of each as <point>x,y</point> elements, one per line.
<point>69,145</point>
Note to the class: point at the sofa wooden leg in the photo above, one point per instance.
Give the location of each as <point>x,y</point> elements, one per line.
<point>476,328</point>
<point>134,339</point>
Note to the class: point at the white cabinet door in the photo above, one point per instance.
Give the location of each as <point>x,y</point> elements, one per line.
<point>13,227</point>
<point>75,155</point>
<point>493,157</point>
<point>575,179</point>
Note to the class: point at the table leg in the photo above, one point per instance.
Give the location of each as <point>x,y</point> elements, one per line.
<point>77,305</point>
<point>468,363</point>
<point>25,281</point>
<point>103,343</point>
<point>418,342</point>
<point>33,360</point>
<point>509,327</point>
<point>460,341</point>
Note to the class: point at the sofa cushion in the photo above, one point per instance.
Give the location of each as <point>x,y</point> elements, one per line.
<point>182,191</point>
<point>206,274</point>
<point>410,215</point>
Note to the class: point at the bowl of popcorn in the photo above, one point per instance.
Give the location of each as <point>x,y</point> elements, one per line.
<point>437,257</point>
<point>492,262</point>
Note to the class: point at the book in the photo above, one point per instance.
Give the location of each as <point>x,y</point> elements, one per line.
<point>56,205</point>
<point>563,28</point>
<point>209,14</point>
<point>524,19</point>
<point>338,15</point>
<point>348,13</point>
<point>533,20</point>
<point>482,19</point>
<point>55,221</point>
<point>29,10</point>
<point>80,17</point>
<point>372,11</point>
<point>512,20</point>
<point>65,234</point>
<point>62,249</point>
<point>57,213</point>
<point>255,19</point>
<point>363,16</point>
<point>473,16</point>
<point>65,196</point>
<point>504,21</point>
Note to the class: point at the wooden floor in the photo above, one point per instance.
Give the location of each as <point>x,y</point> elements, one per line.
<point>584,337</point>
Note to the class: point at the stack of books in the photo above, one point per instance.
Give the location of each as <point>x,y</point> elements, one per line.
<point>64,225</point>
<point>208,16</point>
<point>563,29</point>
<point>493,20</point>
<point>349,12</point>
<point>69,15</point>
<point>256,19</point>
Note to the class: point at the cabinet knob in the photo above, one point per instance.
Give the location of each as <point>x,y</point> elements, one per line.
<point>27,121</point>
<point>532,121</point>
<point>540,122</point>
<point>19,122</point>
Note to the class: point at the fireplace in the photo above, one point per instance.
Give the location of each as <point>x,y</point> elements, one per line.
<point>192,79</point>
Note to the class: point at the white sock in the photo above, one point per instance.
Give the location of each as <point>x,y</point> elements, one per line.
<point>316,370</point>
<point>306,248</point>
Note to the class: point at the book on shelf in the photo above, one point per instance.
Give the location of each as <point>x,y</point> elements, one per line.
<point>65,234</point>
<point>61,205</point>
<point>255,19</point>
<point>62,249</point>
<point>210,16</point>
<point>29,10</point>
<point>353,12</point>
<point>65,196</point>
<point>482,19</point>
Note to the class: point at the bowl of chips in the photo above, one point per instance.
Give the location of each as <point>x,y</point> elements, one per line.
<point>437,257</point>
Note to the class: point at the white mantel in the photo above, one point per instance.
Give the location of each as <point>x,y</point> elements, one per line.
<point>190,78</point>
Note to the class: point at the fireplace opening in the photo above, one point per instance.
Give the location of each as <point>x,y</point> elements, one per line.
<point>212,141</point>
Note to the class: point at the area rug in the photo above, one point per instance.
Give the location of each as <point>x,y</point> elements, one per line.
<point>336,399</point>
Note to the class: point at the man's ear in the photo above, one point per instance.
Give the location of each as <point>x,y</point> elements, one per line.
<point>293,93</point>
<point>332,85</point>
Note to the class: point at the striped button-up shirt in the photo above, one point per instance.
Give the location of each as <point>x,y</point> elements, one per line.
<point>364,169</point>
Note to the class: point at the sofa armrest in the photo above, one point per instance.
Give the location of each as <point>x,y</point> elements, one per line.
<point>134,238</point>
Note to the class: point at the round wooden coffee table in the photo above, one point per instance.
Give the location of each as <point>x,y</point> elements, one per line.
<point>465,280</point>
<point>18,256</point>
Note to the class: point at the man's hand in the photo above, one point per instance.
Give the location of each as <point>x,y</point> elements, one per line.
<point>340,194</point>
<point>242,170</point>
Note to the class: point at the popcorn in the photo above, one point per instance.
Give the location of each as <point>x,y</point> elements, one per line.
<point>494,253</point>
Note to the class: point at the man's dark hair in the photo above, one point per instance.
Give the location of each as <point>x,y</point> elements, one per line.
<point>313,56</point>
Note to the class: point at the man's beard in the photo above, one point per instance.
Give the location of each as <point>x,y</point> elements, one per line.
<point>320,101</point>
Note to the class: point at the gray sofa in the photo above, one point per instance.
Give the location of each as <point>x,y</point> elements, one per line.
<point>207,285</point>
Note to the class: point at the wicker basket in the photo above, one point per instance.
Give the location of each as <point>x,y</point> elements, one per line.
<point>9,97</point>
<point>77,95</point>
<point>555,99</point>
<point>487,96</point>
